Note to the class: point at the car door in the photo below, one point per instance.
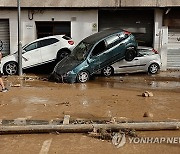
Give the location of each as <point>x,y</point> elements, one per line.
<point>106,52</point>
<point>96,55</point>
<point>49,49</point>
<point>145,59</point>
<point>31,55</point>
<point>124,66</point>
<point>113,51</point>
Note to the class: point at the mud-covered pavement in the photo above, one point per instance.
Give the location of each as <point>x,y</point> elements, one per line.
<point>120,96</point>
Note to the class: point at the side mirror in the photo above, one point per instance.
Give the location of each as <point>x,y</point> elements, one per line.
<point>91,56</point>
<point>23,51</point>
<point>88,61</point>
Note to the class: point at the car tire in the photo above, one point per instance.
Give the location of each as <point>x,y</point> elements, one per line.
<point>10,68</point>
<point>130,54</point>
<point>153,68</point>
<point>83,76</point>
<point>107,71</point>
<point>62,54</point>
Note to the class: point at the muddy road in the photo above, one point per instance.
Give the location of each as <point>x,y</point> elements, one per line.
<point>33,97</point>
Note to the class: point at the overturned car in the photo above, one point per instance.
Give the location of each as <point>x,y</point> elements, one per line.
<point>95,53</point>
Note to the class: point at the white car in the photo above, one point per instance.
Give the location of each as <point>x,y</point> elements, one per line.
<point>147,60</point>
<point>38,52</point>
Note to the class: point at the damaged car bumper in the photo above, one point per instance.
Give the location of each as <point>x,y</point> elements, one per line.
<point>69,77</point>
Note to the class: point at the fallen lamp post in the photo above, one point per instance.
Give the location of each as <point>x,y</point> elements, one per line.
<point>25,126</point>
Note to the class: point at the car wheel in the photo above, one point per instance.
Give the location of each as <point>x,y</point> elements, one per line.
<point>62,54</point>
<point>83,76</point>
<point>130,54</point>
<point>10,68</point>
<point>153,68</point>
<point>107,71</point>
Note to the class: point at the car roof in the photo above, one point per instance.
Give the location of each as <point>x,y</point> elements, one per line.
<point>47,37</point>
<point>43,38</point>
<point>100,35</point>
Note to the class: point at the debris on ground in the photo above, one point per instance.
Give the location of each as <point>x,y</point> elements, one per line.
<point>32,78</point>
<point>63,103</point>
<point>28,79</point>
<point>16,85</point>
<point>147,94</point>
<point>148,114</point>
<point>108,135</point>
<point>101,134</point>
<point>3,104</point>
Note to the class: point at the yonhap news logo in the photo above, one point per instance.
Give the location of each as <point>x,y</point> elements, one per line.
<point>120,139</point>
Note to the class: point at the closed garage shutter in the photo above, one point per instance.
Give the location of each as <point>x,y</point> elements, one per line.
<point>173,55</point>
<point>4,37</point>
<point>139,22</point>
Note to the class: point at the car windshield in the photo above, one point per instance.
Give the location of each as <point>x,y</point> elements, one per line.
<point>81,51</point>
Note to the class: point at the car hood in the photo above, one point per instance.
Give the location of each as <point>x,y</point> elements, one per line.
<point>65,65</point>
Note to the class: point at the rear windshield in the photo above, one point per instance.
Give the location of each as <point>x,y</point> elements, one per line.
<point>146,52</point>
<point>66,37</point>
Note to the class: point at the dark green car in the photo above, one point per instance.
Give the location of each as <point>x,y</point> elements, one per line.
<point>94,53</point>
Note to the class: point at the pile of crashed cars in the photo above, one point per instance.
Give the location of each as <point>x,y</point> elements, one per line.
<point>110,51</point>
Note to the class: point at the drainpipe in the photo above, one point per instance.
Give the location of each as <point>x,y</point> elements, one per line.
<point>19,39</point>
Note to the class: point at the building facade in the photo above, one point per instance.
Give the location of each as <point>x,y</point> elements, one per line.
<point>155,23</point>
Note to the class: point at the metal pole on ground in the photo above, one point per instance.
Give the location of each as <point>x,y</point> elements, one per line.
<point>19,40</point>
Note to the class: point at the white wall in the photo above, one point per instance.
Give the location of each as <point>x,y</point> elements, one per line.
<point>164,47</point>
<point>160,37</point>
<point>81,23</point>
<point>158,17</point>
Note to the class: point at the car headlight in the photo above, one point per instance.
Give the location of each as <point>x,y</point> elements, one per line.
<point>68,73</point>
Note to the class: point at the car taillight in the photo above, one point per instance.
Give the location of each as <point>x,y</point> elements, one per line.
<point>155,51</point>
<point>71,42</point>
<point>127,33</point>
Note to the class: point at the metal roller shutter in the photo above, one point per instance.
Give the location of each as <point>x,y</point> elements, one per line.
<point>4,37</point>
<point>139,22</point>
<point>173,55</point>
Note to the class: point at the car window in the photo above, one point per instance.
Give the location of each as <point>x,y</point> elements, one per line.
<point>32,46</point>
<point>112,41</point>
<point>123,36</point>
<point>99,48</point>
<point>47,42</point>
